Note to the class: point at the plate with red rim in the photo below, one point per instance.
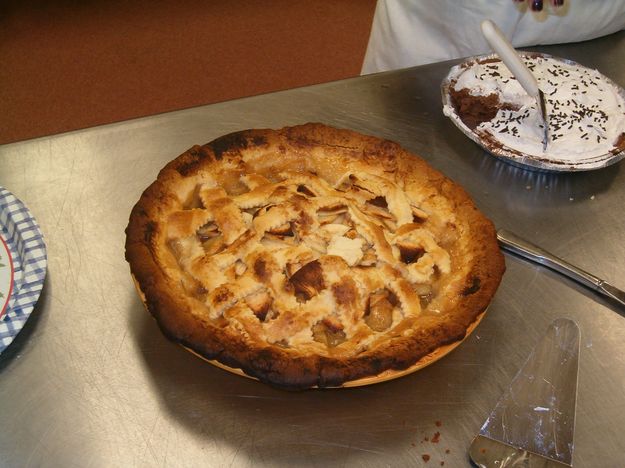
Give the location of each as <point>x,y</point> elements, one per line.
<point>23,266</point>
<point>6,276</point>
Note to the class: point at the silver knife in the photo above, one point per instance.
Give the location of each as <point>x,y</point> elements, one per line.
<point>523,75</point>
<point>533,423</point>
<point>513,243</point>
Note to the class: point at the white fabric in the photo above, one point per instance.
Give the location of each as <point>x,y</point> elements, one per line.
<point>406,33</point>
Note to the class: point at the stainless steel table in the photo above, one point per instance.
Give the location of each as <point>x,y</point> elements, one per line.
<point>91,381</point>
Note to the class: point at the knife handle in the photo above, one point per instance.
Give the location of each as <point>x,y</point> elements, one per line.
<point>526,249</point>
<point>510,57</point>
<point>519,246</point>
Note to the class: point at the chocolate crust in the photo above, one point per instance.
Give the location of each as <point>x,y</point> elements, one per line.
<point>478,264</point>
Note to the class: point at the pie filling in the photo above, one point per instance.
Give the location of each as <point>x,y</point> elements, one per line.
<point>297,261</point>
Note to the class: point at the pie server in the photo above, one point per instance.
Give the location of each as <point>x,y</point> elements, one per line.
<point>513,61</point>
<point>532,425</point>
<point>513,243</point>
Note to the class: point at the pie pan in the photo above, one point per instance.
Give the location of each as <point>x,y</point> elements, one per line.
<point>541,162</point>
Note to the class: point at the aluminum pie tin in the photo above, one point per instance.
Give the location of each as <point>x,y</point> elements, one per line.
<point>519,158</point>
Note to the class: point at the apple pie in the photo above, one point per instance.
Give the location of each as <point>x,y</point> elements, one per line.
<point>310,256</point>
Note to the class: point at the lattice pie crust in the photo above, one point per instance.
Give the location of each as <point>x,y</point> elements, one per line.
<point>310,256</point>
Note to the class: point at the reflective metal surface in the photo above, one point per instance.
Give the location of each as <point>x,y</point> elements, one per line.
<point>91,381</point>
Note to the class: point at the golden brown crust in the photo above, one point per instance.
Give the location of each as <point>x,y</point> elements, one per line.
<point>226,301</point>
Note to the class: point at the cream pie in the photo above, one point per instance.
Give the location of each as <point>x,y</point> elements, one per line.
<point>586,111</point>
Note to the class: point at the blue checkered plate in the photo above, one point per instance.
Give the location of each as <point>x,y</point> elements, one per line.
<point>23,263</point>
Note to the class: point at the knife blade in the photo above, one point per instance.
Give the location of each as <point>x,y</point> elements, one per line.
<point>515,244</point>
<point>533,423</point>
<point>515,64</point>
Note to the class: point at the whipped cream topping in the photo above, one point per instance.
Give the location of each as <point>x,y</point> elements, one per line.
<point>586,112</point>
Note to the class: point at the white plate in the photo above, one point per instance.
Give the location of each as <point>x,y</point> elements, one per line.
<point>544,162</point>
<point>28,262</point>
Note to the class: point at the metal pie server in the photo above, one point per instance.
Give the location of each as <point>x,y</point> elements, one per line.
<point>511,59</point>
<point>532,425</point>
<point>513,243</point>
